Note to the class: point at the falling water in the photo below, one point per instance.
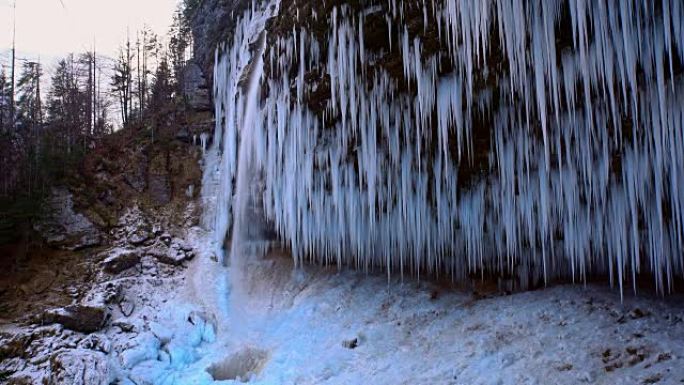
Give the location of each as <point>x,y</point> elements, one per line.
<point>244,214</point>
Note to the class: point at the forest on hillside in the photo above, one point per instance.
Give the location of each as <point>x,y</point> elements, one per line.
<point>45,133</point>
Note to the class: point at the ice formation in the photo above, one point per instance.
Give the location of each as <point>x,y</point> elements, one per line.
<point>534,138</point>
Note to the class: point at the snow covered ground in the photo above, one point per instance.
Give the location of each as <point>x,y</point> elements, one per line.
<point>323,327</point>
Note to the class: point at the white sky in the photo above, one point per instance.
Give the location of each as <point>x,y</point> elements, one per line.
<point>47,29</point>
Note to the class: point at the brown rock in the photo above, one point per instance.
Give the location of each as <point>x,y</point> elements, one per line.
<point>84,318</point>
<point>120,260</point>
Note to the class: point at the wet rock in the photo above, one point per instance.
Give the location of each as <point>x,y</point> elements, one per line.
<point>84,318</point>
<point>120,260</point>
<point>81,367</point>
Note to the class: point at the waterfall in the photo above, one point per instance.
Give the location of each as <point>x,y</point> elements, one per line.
<point>244,213</point>
<point>230,165</point>
<point>538,139</point>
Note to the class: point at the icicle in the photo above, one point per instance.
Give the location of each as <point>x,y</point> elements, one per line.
<point>373,179</point>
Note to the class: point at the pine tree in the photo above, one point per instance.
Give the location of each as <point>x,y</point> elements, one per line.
<point>29,106</point>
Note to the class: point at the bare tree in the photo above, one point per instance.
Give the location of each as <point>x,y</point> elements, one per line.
<point>122,81</point>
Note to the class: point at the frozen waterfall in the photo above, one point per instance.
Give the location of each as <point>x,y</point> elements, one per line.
<point>538,139</point>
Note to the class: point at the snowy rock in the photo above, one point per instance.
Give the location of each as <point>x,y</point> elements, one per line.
<point>179,244</point>
<point>96,342</point>
<point>138,237</point>
<point>85,318</point>
<point>54,240</point>
<point>81,367</point>
<point>168,256</point>
<point>127,307</point>
<point>145,348</point>
<point>157,229</point>
<point>166,238</point>
<point>125,325</point>
<point>107,293</point>
<point>163,333</point>
<point>150,372</point>
<point>13,346</point>
<point>120,260</point>
<point>87,241</point>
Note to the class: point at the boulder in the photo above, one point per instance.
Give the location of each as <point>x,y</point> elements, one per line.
<point>84,318</point>
<point>120,260</point>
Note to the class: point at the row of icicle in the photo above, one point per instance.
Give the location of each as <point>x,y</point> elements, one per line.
<point>572,190</point>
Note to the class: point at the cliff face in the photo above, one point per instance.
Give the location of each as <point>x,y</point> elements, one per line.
<point>212,23</point>
<point>533,139</point>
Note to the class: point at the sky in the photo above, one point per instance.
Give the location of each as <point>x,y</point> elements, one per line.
<point>49,29</point>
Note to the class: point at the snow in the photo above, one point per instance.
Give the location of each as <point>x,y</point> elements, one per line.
<point>313,326</point>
